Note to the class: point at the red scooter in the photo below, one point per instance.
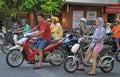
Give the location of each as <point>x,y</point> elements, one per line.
<point>23,50</point>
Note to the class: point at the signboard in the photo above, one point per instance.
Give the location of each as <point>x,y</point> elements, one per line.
<point>91,17</point>
<point>76,18</point>
<point>113,8</point>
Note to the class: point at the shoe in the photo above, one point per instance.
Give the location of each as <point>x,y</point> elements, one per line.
<point>31,63</point>
<point>81,69</point>
<point>36,67</point>
<point>90,74</point>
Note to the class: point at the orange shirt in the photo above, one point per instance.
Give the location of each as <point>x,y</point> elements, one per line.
<point>116,31</point>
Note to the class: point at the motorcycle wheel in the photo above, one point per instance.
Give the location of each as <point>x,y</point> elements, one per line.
<point>69,67</point>
<point>5,47</point>
<point>57,57</point>
<point>14,58</point>
<point>117,56</point>
<point>107,66</point>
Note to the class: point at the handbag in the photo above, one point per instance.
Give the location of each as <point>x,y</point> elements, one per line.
<point>92,44</point>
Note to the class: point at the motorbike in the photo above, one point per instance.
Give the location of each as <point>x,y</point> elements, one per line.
<point>1,38</point>
<point>72,62</point>
<point>7,42</point>
<point>69,42</point>
<point>114,51</point>
<point>23,50</point>
<point>117,55</point>
<point>10,39</point>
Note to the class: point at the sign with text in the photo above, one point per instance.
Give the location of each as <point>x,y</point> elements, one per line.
<point>113,8</point>
<point>76,18</point>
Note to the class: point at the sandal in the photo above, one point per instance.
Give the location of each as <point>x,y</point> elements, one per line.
<point>36,67</point>
<point>81,69</point>
<point>91,74</point>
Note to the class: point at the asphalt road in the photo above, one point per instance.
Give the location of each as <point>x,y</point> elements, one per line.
<point>25,70</point>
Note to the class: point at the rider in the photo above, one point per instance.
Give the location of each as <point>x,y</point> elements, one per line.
<point>96,45</point>
<point>108,28</point>
<point>82,26</point>
<point>57,30</point>
<point>45,36</point>
<point>16,25</point>
<point>25,27</point>
<point>116,32</point>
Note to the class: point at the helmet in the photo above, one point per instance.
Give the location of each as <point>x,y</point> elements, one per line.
<point>24,20</point>
<point>48,19</point>
<point>117,20</point>
<point>108,24</point>
<point>83,19</point>
<point>56,19</point>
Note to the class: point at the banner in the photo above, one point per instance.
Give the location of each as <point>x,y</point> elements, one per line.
<point>115,8</point>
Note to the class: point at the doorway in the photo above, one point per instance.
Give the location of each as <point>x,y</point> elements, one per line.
<point>111,18</point>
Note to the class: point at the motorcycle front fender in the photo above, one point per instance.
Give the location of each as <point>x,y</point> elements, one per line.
<point>112,59</point>
<point>16,47</point>
<point>74,58</point>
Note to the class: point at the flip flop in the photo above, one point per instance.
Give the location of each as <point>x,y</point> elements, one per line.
<point>36,67</point>
<point>31,63</point>
<point>90,74</point>
<point>81,69</point>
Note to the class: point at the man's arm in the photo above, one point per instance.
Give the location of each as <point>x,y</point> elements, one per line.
<point>40,32</point>
<point>35,28</point>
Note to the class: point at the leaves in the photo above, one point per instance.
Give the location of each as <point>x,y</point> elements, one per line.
<point>48,6</point>
<point>52,6</point>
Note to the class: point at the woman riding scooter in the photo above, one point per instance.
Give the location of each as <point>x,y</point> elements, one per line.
<point>96,45</point>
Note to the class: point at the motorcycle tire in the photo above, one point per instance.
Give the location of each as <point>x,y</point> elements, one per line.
<point>68,65</point>
<point>108,67</point>
<point>117,56</point>
<point>58,57</point>
<point>5,47</point>
<point>14,58</point>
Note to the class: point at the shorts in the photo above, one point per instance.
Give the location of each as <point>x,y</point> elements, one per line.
<point>42,44</point>
<point>98,47</point>
<point>117,40</point>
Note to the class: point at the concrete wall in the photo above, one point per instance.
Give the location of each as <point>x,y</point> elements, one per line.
<point>94,1</point>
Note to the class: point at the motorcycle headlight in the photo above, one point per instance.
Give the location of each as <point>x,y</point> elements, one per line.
<point>75,48</point>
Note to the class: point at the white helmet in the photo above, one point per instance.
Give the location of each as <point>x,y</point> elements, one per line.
<point>83,19</point>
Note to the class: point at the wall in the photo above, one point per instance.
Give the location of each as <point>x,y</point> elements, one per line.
<point>94,1</point>
<point>67,15</point>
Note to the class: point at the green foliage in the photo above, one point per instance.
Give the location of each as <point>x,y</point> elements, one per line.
<point>53,6</point>
<point>3,5</point>
<point>14,13</point>
<point>48,6</point>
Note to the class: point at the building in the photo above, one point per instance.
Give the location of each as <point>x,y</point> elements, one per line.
<point>90,9</point>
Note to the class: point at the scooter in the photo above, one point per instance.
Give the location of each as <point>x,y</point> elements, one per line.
<point>105,63</point>
<point>10,39</point>
<point>52,53</point>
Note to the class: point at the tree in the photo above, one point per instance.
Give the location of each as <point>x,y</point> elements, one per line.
<point>53,6</point>
<point>48,6</point>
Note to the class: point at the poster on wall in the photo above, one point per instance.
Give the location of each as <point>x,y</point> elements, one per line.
<point>91,17</point>
<point>76,18</point>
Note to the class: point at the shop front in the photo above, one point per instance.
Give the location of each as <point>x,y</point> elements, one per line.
<point>72,13</point>
<point>112,12</point>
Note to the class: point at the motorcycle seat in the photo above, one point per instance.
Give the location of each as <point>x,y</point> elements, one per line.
<point>52,42</point>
